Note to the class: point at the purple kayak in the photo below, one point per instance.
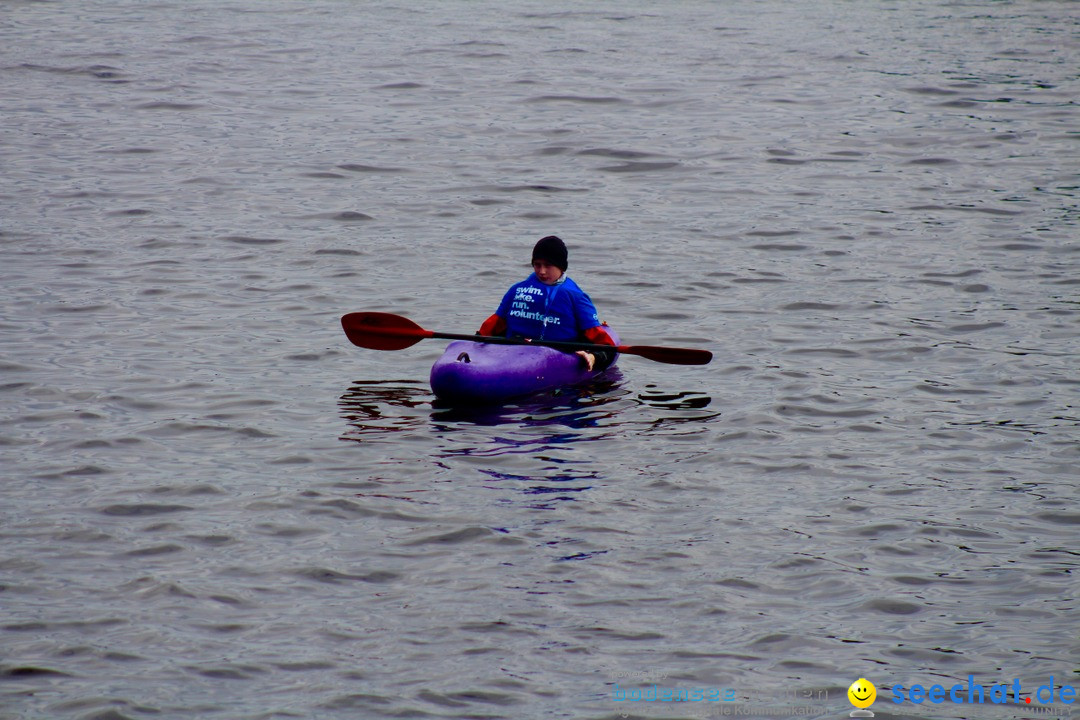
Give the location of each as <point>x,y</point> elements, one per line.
<point>484,373</point>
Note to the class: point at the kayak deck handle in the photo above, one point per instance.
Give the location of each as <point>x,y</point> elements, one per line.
<point>464,357</point>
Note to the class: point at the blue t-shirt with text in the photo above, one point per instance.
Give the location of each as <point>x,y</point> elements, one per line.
<point>548,312</point>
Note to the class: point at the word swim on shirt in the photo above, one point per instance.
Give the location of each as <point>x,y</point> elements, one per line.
<point>550,312</point>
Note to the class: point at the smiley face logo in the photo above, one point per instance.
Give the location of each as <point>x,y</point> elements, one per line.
<point>862,693</point>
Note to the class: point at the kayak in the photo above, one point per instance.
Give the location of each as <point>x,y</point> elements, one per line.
<point>484,373</point>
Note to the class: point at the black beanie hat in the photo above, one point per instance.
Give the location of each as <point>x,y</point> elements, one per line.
<point>552,249</point>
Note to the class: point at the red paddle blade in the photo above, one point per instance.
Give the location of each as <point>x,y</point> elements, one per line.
<point>382,331</point>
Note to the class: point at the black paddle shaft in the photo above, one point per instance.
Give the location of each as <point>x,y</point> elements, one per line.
<point>495,340</point>
<point>673,356</point>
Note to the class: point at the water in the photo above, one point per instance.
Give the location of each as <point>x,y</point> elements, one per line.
<point>214,506</point>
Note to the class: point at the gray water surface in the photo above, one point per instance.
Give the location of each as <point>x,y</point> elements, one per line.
<point>213,506</point>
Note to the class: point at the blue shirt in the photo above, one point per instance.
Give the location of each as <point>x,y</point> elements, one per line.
<point>562,311</point>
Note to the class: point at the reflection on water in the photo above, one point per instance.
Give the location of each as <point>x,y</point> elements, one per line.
<point>542,492</point>
<point>543,442</point>
<point>374,407</point>
<point>673,401</point>
<point>378,407</point>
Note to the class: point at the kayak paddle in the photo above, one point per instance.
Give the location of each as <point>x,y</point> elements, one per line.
<point>384,331</point>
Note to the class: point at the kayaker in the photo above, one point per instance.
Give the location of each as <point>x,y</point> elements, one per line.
<point>548,305</point>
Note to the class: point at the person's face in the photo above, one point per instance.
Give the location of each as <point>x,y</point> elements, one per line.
<point>546,272</point>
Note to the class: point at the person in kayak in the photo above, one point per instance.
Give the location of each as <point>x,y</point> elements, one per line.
<point>548,305</point>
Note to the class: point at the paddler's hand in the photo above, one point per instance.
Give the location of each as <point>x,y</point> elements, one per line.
<point>587,357</point>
